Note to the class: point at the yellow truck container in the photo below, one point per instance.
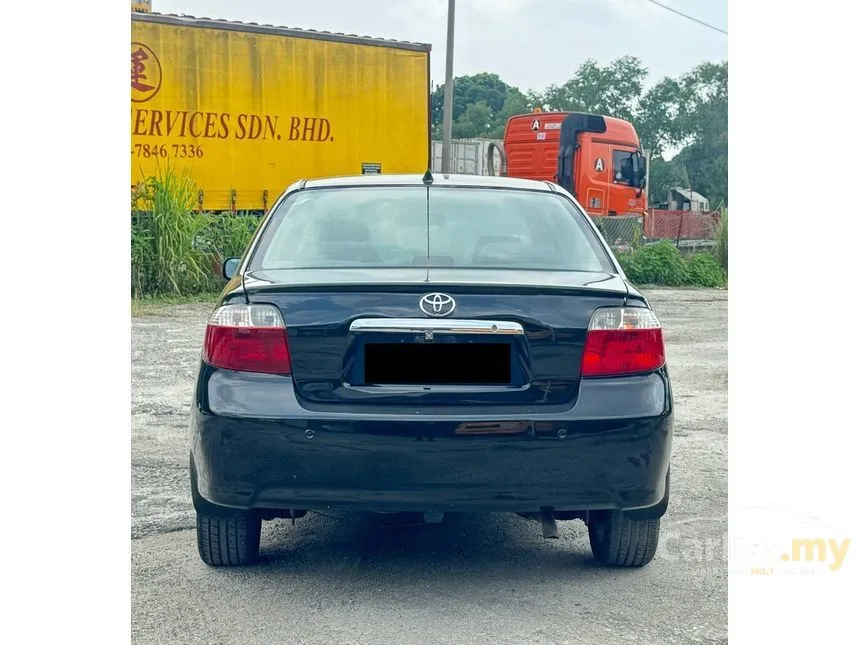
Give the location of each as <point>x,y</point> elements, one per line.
<point>248,108</point>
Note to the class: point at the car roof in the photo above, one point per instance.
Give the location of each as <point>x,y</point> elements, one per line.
<point>463,181</point>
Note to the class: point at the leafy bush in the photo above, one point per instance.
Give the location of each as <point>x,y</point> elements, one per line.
<point>705,271</point>
<point>659,263</point>
<point>664,264</point>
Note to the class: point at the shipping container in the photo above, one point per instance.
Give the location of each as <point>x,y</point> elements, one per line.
<point>468,157</point>
<point>247,109</point>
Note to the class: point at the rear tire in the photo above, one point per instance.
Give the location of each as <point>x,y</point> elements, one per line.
<point>229,539</point>
<point>618,541</point>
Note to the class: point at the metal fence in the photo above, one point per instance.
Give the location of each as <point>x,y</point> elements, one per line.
<point>621,231</point>
<point>682,228</point>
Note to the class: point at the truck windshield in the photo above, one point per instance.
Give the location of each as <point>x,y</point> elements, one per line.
<point>382,226</point>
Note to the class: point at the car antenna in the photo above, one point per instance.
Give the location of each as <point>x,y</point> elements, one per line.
<point>427,178</point>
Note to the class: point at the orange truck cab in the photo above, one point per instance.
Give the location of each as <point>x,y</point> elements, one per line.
<point>596,158</point>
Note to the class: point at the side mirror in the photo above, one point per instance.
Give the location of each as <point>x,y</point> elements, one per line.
<point>231,265</point>
<point>637,170</point>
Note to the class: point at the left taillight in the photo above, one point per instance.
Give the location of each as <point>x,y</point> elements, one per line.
<point>247,338</point>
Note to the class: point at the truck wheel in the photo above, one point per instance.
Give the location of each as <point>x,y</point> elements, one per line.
<point>228,539</point>
<point>619,541</point>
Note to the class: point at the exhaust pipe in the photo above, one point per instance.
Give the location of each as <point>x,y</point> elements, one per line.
<point>548,525</point>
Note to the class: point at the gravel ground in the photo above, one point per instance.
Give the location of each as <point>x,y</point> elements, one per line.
<point>341,578</point>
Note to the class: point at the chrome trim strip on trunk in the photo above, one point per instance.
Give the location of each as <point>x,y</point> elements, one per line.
<point>423,325</point>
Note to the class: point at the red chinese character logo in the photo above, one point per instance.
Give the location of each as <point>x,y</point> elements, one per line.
<point>145,73</point>
<point>138,71</point>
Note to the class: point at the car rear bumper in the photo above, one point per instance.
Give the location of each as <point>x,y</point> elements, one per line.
<point>255,446</point>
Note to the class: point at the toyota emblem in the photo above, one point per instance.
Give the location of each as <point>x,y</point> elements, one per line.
<point>437,304</point>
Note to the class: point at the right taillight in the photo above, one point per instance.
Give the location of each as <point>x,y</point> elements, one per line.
<point>620,341</point>
<point>247,338</point>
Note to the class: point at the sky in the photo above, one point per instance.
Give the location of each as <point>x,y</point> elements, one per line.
<point>529,43</point>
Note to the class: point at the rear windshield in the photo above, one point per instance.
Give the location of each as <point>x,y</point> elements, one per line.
<point>400,226</point>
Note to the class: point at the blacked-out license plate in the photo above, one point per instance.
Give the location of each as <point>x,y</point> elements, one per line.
<point>437,364</point>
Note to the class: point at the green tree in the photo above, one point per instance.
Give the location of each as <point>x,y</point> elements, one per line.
<point>691,113</point>
<point>706,162</point>
<point>612,90</point>
<point>704,98</point>
<point>515,103</point>
<point>475,121</point>
<point>656,118</point>
<point>662,175</point>
<point>704,122</point>
<point>468,90</point>
<point>669,114</point>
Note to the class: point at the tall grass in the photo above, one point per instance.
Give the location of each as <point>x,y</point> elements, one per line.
<point>721,248</point>
<point>227,235</point>
<point>164,257</point>
<point>176,249</point>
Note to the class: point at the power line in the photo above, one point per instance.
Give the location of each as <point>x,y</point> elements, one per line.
<point>683,15</point>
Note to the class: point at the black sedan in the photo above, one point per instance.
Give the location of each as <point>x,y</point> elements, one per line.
<point>423,345</point>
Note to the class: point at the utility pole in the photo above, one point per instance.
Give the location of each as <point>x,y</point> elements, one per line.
<point>449,93</point>
<point>647,176</point>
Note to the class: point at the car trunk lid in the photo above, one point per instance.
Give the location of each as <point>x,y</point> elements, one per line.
<point>515,338</point>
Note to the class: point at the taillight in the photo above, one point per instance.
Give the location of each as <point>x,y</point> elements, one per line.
<point>247,338</point>
<point>623,341</point>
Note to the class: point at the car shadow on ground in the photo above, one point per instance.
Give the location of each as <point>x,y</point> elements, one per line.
<point>336,544</point>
